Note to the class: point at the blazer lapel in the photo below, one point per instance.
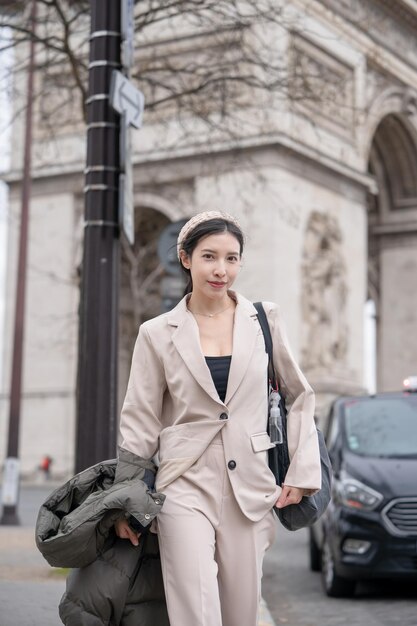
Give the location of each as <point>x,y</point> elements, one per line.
<point>244,339</point>
<point>186,339</point>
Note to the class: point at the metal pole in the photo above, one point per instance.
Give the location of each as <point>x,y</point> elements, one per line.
<point>11,473</point>
<point>96,434</point>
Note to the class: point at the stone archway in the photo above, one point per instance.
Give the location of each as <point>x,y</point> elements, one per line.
<point>141,274</point>
<point>392,245</point>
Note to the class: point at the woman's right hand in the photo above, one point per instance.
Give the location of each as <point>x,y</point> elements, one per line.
<point>123,531</point>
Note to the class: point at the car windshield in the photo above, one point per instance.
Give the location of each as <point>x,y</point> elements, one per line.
<point>382,426</point>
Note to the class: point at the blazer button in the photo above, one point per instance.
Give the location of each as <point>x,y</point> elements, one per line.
<point>223,416</point>
<point>231,465</point>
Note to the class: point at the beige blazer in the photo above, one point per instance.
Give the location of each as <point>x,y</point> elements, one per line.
<point>172,406</point>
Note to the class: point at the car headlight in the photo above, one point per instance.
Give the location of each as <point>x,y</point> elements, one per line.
<point>355,495</point>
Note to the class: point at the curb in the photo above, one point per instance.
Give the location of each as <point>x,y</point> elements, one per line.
<point>265,618</point>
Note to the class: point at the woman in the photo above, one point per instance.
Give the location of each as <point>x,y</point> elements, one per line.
<point>197,396</point>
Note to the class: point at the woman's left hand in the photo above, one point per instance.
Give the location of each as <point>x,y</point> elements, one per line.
<point>289,495</point>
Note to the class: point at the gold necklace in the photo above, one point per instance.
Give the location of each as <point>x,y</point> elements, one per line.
<point>210,314</point>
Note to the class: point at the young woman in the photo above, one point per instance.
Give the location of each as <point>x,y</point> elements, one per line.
<point>197,395</point>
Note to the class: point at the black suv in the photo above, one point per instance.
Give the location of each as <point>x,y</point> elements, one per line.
<point>370,527</point>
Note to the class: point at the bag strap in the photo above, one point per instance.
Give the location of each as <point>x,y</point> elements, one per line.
<point>263,321</point>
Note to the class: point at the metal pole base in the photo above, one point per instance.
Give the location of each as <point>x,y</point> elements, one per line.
<point>10,516</point>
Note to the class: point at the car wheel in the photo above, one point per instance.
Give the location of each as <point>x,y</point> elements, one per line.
<point>315,554</point>
<point>334,585</point>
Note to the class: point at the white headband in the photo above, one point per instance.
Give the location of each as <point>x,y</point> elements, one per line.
<point>199,219</point>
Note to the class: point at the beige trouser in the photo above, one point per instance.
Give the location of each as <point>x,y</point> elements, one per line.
<point>211,553</point>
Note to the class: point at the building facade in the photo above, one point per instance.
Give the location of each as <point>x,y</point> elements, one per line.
<point>322,176</point>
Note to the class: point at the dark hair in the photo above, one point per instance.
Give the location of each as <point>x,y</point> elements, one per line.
<point>210,227</point>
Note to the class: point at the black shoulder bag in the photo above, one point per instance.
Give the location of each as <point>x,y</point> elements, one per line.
<point>308,511</point>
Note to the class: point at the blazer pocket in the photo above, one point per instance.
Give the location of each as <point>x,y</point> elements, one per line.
<point>261,442</point>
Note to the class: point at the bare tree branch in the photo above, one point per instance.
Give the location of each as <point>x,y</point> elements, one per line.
<point>233,61</point>
<point>197,60</point>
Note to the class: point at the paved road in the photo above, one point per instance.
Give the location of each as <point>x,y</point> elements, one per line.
<point>294,595</point>
<point>30,590</point>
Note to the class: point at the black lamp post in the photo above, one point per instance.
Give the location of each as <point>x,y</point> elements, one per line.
<point>96,435</point>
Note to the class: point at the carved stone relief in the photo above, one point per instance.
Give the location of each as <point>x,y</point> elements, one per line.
<point>322,85</point>
<point>173,83</point>
<point>391,24</point>
<point>324,295</point>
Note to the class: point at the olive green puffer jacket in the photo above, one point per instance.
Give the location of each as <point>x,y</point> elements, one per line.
<point>114,583</point>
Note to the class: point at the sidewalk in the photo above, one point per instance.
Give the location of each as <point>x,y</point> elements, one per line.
<point>30,590</point>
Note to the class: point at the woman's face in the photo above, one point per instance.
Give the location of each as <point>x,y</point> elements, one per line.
<point>214,264</point>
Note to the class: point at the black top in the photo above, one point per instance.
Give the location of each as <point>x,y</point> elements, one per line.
<point>219,367</point>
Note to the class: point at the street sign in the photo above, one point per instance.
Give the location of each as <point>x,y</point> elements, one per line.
<point>128,31</point>
<point>125,147</point>
<point>126,205</point>
<point>126,200</point>
<point>126,99</point>
<point>129,102</point>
